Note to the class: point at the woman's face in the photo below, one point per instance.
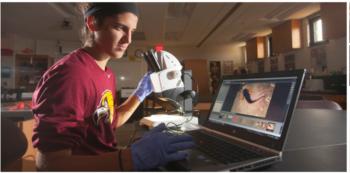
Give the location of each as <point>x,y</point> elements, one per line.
<point>114,35</point>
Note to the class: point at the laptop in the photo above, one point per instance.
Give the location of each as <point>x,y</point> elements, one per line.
<point>247,124</point>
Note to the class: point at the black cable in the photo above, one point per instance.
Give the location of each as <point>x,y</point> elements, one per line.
<point>177,130</point>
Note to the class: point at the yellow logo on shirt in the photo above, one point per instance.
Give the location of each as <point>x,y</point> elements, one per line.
<point>106,108</point>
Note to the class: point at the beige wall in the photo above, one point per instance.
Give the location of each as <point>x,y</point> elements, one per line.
<point>120,67</point>
<point>335,49</point>
<point>334,18</point>
<point>335,55</point>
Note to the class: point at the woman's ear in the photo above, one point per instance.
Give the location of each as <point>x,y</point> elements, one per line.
<point>90,23</point>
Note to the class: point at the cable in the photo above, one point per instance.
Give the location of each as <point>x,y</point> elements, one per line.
<point>175,129</point>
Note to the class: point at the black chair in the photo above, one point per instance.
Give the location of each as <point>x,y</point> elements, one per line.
<point>13,143</point>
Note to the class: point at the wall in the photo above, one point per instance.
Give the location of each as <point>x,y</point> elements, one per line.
<point>219,52</point>
<point>335,55</point>
<point>192,58</point>
<point>51,48</point>
<point>123,66</point>
<point>231,52</point>
<point>139,67</point>
<point>40,47</point>
<point>132,71</point>
<point>334,14</point>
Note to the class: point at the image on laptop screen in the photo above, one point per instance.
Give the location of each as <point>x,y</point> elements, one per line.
<point>258,105</point>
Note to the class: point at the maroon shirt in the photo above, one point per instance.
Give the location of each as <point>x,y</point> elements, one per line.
<point>73,106</point>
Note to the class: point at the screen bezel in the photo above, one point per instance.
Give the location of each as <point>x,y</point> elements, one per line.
<point>266,141</point>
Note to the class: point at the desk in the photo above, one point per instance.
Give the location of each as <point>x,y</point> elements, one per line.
<point>17,115</point>
<point>337,97</point>
<point>316,141</point>
<point>17,111</point>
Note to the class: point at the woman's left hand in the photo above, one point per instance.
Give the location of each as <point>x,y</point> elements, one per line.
<point>144,87</point>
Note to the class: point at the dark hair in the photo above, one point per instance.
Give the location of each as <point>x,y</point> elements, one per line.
<point>100,11</point>
<point>86,35</point>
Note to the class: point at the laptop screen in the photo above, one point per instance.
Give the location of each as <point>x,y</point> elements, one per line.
<point>258,105</point>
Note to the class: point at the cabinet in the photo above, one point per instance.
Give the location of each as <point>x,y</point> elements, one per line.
<point>29,69</point>
<point>200,75</point>
<point>286,36</point>
<point>256,48</point>
<point>214,75</point>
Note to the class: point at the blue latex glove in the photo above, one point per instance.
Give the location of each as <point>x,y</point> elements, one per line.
<point>144,87</point>
<point>157,148</point>
<point>160,128</point>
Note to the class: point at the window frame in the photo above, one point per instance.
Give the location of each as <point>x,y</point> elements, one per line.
<point>311,31</point>
<point>269,52</point>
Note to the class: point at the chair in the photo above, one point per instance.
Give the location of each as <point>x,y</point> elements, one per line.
<point>318,104</point>
<point>13,143</point>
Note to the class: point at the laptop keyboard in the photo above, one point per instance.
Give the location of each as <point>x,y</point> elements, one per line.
<point>221,150</point>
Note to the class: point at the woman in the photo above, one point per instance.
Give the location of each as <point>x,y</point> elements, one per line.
<point>73,103</point>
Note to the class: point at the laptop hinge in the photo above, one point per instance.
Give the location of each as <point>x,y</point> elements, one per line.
<point>243,141</point>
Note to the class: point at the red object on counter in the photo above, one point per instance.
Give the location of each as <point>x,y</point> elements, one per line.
<point>20,105</point>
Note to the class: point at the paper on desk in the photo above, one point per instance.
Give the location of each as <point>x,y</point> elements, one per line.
<point>187,123</point>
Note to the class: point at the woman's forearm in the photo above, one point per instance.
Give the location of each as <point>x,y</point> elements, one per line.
<point>125,110</point>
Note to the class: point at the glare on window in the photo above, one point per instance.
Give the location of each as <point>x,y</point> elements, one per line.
<point>317,25</point>
<point>268,46</point>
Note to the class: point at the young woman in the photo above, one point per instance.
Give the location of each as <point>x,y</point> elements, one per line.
<point>74,107</point>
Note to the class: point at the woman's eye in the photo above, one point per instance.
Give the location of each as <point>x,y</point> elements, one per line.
<point>118,27</point>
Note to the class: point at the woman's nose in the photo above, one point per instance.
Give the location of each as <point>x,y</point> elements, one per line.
<point>127,37</point>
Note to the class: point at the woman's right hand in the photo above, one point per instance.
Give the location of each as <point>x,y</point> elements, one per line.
<point>157,148</point>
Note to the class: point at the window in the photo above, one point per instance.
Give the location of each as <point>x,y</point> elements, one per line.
<point>269,46</point>
<point>315,30</point>
<point>296,42</point>
<point>244,53</point>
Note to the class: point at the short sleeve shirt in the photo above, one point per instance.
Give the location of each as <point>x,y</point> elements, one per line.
<point>73,107</point>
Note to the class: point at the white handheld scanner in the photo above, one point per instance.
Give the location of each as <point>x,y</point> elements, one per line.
<point>166,70</point>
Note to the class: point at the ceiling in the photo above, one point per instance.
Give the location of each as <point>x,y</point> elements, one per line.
<point>173,24</point>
